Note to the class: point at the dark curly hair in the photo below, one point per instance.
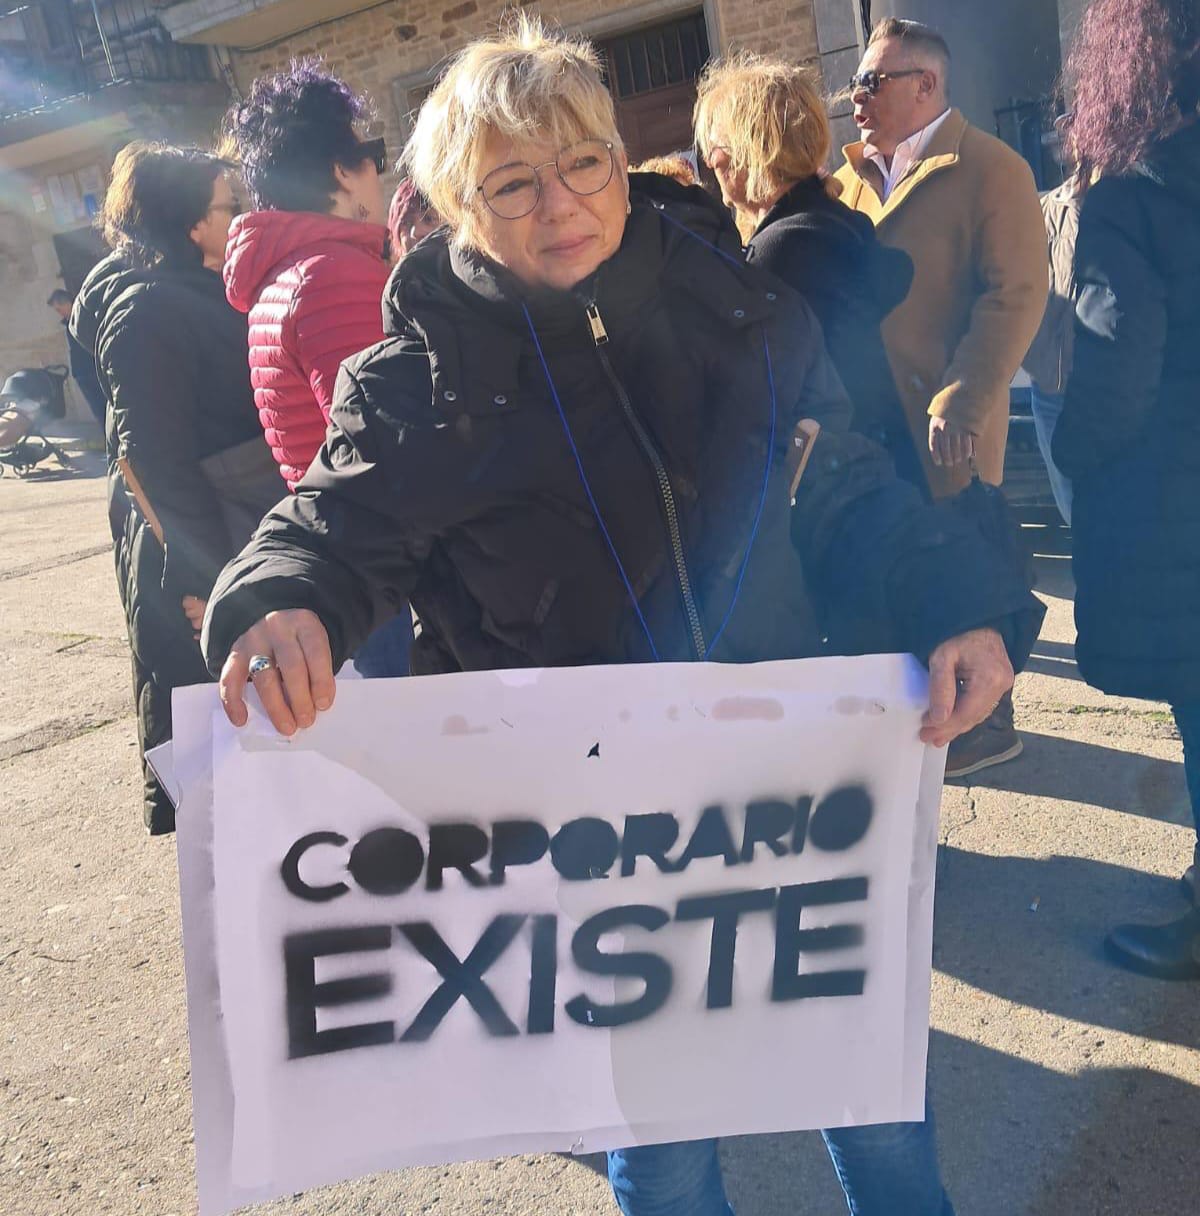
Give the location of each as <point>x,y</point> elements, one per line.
<point>156,195</point>
<point>1132,77</point>
<point>290,133</point>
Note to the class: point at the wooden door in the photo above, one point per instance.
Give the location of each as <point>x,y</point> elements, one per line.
<point>652,76</point>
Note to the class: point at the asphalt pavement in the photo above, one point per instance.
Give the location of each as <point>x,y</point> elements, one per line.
<point>1063,1087</point>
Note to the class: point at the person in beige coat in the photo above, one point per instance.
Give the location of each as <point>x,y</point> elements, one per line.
<point>965,208</point>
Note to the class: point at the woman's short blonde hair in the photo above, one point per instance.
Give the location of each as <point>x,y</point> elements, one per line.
<point>524,83</point>
<point>771,118</point>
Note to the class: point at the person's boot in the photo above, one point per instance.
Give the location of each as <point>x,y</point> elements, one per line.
<point>993,741</point>
<point>1168,952</point>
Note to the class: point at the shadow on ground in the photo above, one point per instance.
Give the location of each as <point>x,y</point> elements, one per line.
<point>1052,767</point>
<point>988,934</point>
<point>1053,659</point>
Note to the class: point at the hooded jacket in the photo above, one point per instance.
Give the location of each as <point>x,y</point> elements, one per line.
<point>168,354</point>
<point>599,476</point>
<point>312,285</point>
<point>1129,435</point>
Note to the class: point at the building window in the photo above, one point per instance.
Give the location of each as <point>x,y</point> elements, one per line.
<point>656,58</point>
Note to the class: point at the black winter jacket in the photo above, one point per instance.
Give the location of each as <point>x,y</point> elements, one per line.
<point>1129,436</point>
<point>832,257</point>
<point>171,356</point>
<point>449,477</point>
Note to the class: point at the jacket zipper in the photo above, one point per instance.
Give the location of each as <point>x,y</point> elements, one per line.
<point>600,338</point>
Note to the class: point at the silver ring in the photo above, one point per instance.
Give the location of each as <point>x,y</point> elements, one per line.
<point>260,663</point>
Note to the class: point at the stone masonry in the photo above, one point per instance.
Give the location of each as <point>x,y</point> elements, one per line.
<point>392,52</point>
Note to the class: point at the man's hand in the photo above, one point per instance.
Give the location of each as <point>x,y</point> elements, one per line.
<point>193,609</point>
<point>949,443</point>
<point>968,675</point>
<point>298,685</point>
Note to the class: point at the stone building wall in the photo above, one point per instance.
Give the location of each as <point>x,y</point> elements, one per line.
<point>393,51</point>
<point>30,332</point>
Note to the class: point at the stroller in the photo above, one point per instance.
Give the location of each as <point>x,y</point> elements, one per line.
<point>28,398</point>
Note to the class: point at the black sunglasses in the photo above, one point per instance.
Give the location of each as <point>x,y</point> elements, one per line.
<point>869,82</point>
<point>375,150</point>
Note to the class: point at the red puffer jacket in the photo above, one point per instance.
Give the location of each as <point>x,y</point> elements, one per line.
<point>312,285</point>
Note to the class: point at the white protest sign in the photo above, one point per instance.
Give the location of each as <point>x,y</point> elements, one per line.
<point>503,912</point>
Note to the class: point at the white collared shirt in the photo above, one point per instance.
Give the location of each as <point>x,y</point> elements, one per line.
<point>907,154</point>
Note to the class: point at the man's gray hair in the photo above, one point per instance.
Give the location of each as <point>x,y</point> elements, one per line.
<point>920,42</point>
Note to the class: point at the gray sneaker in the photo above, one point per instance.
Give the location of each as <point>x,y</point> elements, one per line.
<point>993,741</point>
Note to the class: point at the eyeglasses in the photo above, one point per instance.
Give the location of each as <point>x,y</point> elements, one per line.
<point>708,156</point>
<point>234,208</point>
<point>375,150</point>
<point>513,191</point>
<point>869,82</point>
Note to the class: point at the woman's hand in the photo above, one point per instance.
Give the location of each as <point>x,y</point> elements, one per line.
<point>193,609</point>
<point>300,681</point>
<point>968,675</point>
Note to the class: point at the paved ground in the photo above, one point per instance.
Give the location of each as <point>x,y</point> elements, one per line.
<point>1063,1087</point>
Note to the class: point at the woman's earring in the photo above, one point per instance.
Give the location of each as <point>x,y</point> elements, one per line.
<point>628,207</point>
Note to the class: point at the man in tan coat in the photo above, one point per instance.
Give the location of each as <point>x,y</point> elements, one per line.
<point>964,207</point>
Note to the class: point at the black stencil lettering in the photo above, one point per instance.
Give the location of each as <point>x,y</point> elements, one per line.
<point>455,846</point>
<point>304,995</point>
<point>516,842</point>
<point>387,861</point>
<point>725,909</point>
<point>791,941</point>
<point>290,869</point>
<point>584,848</point>
<point>711,838</point>
<point>767,821</point>
<point>841,819</point>
<point>543,975</point>
<point>648,836</point>
<point>653,971</point>
<point>800,835</point>
<point>464,978</point>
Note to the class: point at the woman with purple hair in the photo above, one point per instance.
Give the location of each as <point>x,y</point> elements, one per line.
<point>1129,436</point>
<point>309,264</point>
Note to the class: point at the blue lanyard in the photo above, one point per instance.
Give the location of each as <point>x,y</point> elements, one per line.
<point>587,488</point>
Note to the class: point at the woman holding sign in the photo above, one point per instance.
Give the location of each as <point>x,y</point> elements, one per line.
<point>595,435</point>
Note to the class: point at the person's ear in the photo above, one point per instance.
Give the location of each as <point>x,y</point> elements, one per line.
<point>344,178</point>
<point>196,235</point>
<point>928,85</point>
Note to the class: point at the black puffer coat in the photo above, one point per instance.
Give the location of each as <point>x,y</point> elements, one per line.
<point>1129,436</point>
<point>832,257</point>
<point>450,478</point>
<point>171,356</point>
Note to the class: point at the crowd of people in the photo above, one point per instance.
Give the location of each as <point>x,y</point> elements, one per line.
<point>559,411</point>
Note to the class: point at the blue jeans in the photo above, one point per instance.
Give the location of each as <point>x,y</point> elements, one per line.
<point>886,1169</point>
<point>1187,718</point>
<point>1047,409</point>
<point>385,652</point>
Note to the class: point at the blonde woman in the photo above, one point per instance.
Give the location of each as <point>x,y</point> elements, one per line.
<point>572,450</point>
<point>761,126</point>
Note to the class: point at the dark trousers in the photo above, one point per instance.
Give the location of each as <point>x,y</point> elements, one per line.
<point>1187,718</point>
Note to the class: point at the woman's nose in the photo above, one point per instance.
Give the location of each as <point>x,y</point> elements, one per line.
<point>557,199</point>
